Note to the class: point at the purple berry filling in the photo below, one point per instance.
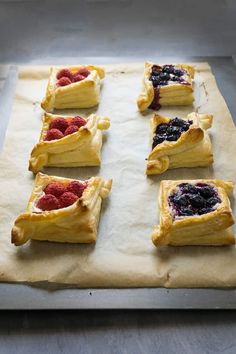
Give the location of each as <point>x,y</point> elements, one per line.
<point>193,199</point>
<point>170,131</point>
<point>160,76</point>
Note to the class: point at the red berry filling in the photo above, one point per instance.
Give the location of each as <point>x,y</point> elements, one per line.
<point>56,189</point>
<point>58,195</point>
<point>66,77</point>
<point>71,129</point>
<point>78,121</point>
<point>59,123</point>
<point>53,134</point>
<point>60,127</point>
<point>48,202</point>
<point>64,81</point>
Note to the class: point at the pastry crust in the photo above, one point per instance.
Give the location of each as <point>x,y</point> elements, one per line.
<point>77,223</point>
<point>82,148</point>
<point>192,149</point>
<point>211,229</point>
<point>81,94</point>
<point>173,94</point>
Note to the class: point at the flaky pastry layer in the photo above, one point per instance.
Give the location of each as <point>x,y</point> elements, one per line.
<point>77,223</point>
<point>192,149</point>
<point>82,148</point>
<point>211,229</point>
<point>174,94</point>
<point>81,94</point>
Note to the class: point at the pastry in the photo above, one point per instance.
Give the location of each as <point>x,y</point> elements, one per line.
<point>69,141</point>
<point>166,85</point>
<point>194,212</point>
<point>62,210</point>
<point>179,143</point>
<point>73,87</point>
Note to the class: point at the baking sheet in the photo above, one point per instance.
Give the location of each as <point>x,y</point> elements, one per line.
<point>124,255</point>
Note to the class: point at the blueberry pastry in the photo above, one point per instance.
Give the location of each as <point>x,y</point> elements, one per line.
<point>194,212</point>
<point>73,87</point>
<point>166,85</point>
<point>62,210</point>
<point>69,141</point>
<point>179,142</point>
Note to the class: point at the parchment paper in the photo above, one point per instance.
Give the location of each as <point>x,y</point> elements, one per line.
<point>124,255</point>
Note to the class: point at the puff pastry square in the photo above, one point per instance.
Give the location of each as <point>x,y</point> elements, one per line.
<point>81,148</point>
<point>80,94</point>
<point>179,143</point>
<point>76,223</point>
<point>194,212</point>
<point>166,85</point>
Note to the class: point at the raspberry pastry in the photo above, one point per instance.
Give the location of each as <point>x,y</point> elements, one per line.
<point>73,87</point>
<point>166,85</point>
<point>62,210</point>
<point>194,212</point>
<point>69,141</point>
<point>179,143</point>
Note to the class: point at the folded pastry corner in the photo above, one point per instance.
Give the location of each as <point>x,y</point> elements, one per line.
<point>179,143</point>
<point>69,141</point>
<point>62,210</point>
<point>73,87</point>
<point>166,85</point>
<point>194,212</point>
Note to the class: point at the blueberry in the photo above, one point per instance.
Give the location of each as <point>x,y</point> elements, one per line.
<point>213,201</point>
<point>156,69</point>
<point>155,80</point>
<point>172,137</point>
<point>163,83</point>
<point>186,212</point>
<point>180,200</point>
<point>178,122</point>
<point>197,201</point>
<point>162,128</point>
<point>204,211</point>
<point>206,192</point>
<point>164,76</point>
<point>157,140</point>
<point>188,188</point>
<point>173,130</point>
<point>174,78</point>
<point>168,69</point>
<point>178,72</point>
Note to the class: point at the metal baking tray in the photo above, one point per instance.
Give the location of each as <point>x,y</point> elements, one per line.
<point>21,296</point>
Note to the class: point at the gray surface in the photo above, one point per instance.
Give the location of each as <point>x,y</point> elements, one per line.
<point>24,297</point>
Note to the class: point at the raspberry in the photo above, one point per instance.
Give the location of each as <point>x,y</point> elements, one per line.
<point>65,73</point>
<point>71,129</point>
<point>56,189</point>
<point>83,71</point>
<point>67,199</point>
<point>78,77</point>
<point>78,121</point>
<point>63,81</point>
<point>53,134</point>
<point>59,123</point>
<point>48,202</point>
<point>76,188</point>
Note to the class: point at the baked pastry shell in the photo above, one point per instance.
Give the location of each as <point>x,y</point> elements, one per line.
<point>76,223</point>
<point>86,142</point>
<point>192,149</point>
<point>175,94</point>
<point>207,229</point>
<point>81,94</point>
